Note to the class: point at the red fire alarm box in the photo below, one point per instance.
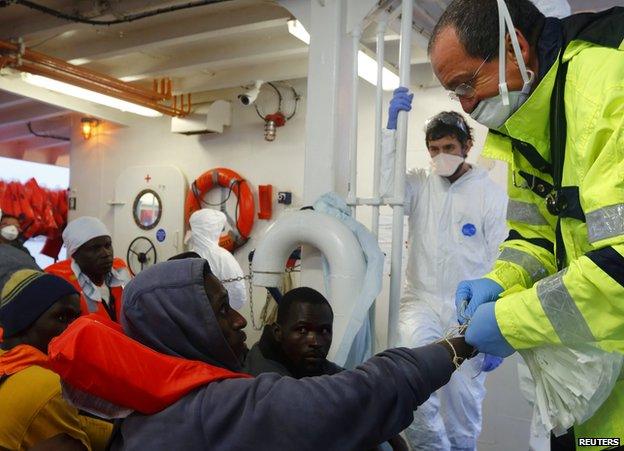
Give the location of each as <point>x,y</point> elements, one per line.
<point>265,197</point>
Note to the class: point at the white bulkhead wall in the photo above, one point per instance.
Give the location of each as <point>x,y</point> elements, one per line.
<point>96,164</point>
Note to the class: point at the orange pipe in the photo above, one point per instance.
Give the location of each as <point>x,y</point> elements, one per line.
<point>40,64</point>
<point>58,64</point>
<point>88,84</point>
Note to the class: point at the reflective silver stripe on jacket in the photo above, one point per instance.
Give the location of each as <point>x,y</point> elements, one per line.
<point>605,223</point>
<point>525,212</point>
<point>532,265</point>
<point>562,312</point>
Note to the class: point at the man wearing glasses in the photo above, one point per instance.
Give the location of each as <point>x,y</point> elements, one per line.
<point>552,94</point>
<point>456,223</point>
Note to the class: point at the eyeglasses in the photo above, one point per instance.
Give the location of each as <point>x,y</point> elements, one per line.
<point>466,90</point>
<point>447,119</point>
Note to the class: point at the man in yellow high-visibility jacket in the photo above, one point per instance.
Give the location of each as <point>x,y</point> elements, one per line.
<point>552,94</point>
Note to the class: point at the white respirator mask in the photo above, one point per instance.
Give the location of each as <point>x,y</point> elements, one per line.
<point>445,164</point>
<point>493,112</point>
<point>9,233</point>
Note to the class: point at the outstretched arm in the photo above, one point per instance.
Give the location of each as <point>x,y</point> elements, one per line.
<point>355,409</point>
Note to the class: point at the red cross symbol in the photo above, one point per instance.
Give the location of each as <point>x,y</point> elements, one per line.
<point>148,178</point>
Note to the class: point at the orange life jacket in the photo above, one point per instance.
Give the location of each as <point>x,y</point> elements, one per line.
<point>98,359</point>
<point>63,269</point>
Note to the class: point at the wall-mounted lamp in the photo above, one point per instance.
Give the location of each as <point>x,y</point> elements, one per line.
<point>88,125</point>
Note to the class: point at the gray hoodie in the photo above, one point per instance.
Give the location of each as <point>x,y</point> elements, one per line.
<point>166,308</point>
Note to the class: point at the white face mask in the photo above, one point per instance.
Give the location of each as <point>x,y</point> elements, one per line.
<point>493,112</point>
<point>9,233</point>
<point>445,165</point>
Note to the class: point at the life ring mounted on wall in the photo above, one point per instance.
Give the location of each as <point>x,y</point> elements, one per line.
<point>242,224</point>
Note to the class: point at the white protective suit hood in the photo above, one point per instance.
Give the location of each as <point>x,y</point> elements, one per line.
<point>206,228</point>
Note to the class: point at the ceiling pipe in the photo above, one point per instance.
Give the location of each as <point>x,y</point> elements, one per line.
<point>16,56</point>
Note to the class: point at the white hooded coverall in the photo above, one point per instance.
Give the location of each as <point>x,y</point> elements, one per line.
<point>206,228</point>
<point>454,233</point>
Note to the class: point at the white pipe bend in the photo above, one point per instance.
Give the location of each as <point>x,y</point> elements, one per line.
<point>347,267</point>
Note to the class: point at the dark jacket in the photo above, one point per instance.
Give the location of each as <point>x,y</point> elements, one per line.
<point>166,308</point>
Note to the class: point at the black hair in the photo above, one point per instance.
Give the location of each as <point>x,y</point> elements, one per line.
<point>448,123</point>
<point>476,23</point>
<point>301,295</point>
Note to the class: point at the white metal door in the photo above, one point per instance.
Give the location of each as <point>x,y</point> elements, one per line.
<point>155,234</point>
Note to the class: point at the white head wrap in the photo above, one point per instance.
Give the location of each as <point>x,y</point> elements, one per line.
<point>206,227</point>
<point>81,230</point>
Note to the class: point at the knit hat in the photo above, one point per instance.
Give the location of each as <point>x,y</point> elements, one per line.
<point>26,296</point>
<point>81,230</point>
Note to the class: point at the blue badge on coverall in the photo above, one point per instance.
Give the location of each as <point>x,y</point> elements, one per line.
<point>469,229</point>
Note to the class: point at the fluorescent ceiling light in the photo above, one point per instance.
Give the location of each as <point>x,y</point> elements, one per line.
<point>91,96</point>
<point>79,61</point>
<point>129,78</point>
<point>367,66</point>
<point>297,30</point>
<point>367,69</point>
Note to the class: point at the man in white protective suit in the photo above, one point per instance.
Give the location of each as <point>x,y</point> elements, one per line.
<point>203,238</point>
<point>456,223</point>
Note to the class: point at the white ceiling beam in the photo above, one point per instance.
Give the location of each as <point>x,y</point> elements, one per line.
<point>18,154</point>
<point>16,101</point>
<point>359,13</point>
<point>208,26</point>
<point>27,112</point>
<point>418,38</point>
<point>370,36</point>
<point>59,126</point>
<point>36,24</point>
<point>55,153</point>
<point>63,160</point>
<point>263,49</point>
<point>33,143</point>
<point>288,69</point>
<point>48,155</point>
<point>8,99</point>
<point>419,54</point>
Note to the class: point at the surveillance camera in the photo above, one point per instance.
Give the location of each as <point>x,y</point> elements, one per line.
<point>250,96</point>
<point>247,99</point>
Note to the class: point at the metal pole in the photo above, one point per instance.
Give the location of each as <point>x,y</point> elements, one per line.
<point>407,9</point>
<point>381,31</point>
<point>352,189</point>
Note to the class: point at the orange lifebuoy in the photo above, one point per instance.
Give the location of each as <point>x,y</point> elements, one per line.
<point>245,213</point>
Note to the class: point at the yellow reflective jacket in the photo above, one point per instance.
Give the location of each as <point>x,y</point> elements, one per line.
<point>580,299</point>
<point>585,301</point>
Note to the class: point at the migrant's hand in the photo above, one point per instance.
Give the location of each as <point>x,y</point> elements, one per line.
<point>491,362</point>
<point>471,294</point>
<point>484,334</point>
<point>401,101</point>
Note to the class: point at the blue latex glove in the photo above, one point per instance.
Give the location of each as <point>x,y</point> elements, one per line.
<point>401,101</point>
<point>491,362</point>
<point>484,334</point>
<point>471,294</point>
